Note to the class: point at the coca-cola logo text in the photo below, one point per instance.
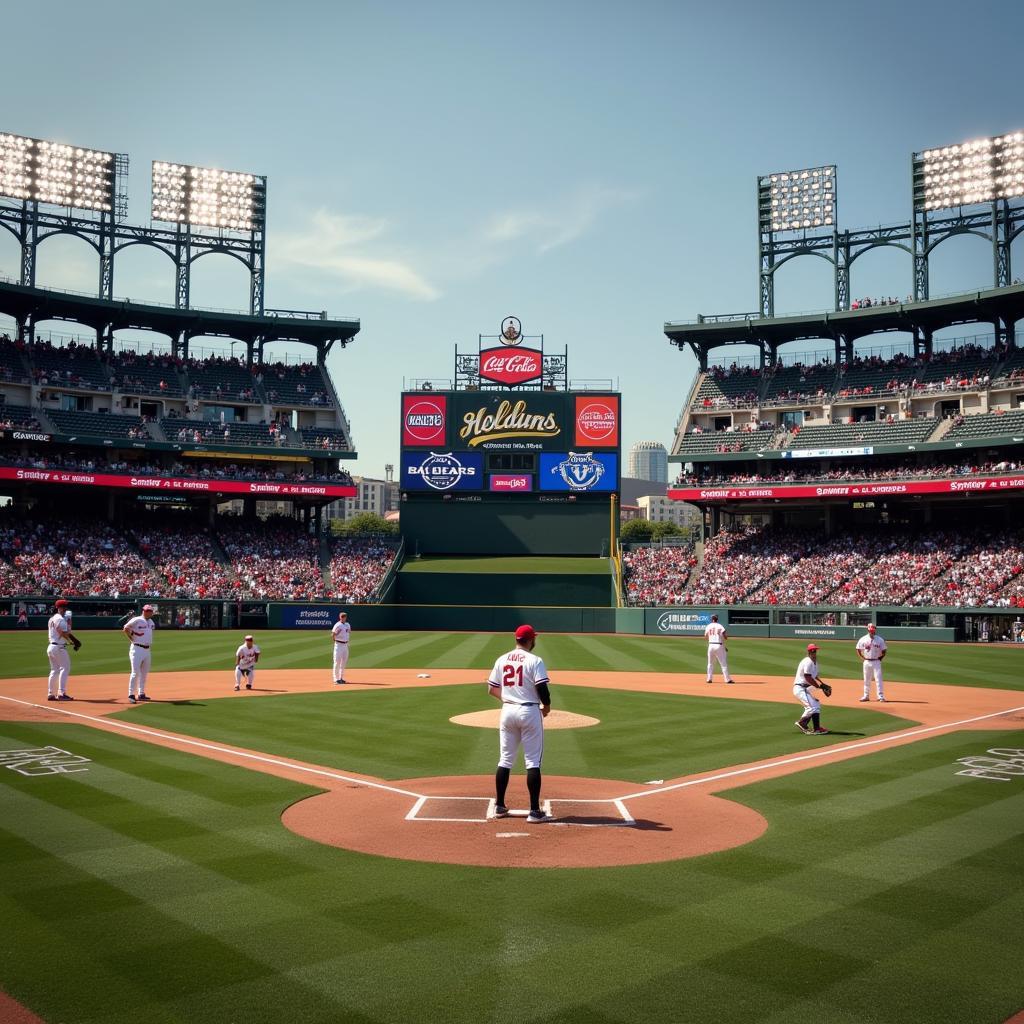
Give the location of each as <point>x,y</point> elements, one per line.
<point>511,367</point>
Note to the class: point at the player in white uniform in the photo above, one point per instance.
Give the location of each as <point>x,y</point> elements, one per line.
<point>340,635</point>
<point>245,663</point>
<point>59,635</point>
<point>871,650</point>
<point>807,679</point>
<point>716,636</point>
<point>520,681</point>
<point>139,631</point>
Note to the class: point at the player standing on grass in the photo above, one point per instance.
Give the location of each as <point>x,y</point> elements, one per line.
<point>716,636</point>
<point>245,663</point>
<point>806,680</point>
<point>340,635</point>
<point>520,681</point>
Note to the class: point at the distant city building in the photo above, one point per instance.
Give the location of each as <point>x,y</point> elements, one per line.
<point>658,509</point>
<point>376,496</point>
<point>627,512</point>
<point>648,460</point>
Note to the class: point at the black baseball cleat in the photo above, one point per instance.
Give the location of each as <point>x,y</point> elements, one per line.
<point>500,811</point>
<point>64,696</point>
<point>248,686</point>
<point>50,696</point>
<point>237,687</point>
<point>800,725</point>
<point>131,698</point>
<point>537,818</point>
<point>143,696</point>
<point>339,682</point>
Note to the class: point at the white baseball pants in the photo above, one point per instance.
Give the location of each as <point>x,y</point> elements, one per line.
<point>521,725</point>
<point>873,670</point>
<point>340,660</point>
<point>811,703</point>
<point>717,652</point>
<point>60,669</point>
<point>240,679</point>
<point>138,658</point>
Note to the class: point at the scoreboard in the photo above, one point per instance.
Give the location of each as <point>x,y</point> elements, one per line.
<point>536,468</point>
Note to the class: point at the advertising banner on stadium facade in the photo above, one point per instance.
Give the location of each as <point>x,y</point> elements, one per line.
<point>442,471</point>
<point>424,421</point>
<point>857,491</point>
<point>511,366</point>
<point>579,472</point>
<point>536,421</point>
<point>24,435</point>
<point>682,623</point>
<point>511,483</point>
<point>597,421</point>
<point>298,616</point>
<point>266,489</point>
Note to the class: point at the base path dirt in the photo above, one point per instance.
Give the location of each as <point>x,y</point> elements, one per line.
<point>597,822</point>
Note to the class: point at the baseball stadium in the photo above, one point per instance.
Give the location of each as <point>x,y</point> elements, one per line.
<point>204,819</point>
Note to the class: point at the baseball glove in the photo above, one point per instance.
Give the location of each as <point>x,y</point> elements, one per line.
<point>826,689</point>
<point>76,644</point>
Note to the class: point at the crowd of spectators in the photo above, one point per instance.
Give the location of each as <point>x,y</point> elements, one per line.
<point>858,473</point>
<point>279,561</point>
<point>185,558</point>
<point>204,471</point>
<point>358,565</point>
<point>657,575</point>
<point>755,565</point>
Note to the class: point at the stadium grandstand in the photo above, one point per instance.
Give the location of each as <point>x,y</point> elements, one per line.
<point>169,468</point>
<point>836,469</point>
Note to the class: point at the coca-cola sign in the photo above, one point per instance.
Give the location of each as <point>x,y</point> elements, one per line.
<point>511,366</point>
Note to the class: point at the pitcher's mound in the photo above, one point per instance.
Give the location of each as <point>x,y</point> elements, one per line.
<point>491,719</point>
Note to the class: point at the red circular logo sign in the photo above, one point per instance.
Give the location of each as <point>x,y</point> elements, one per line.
<point>596,421</point>
<point>424,421</point>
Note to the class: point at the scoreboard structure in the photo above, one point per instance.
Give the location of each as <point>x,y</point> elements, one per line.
<point>510,471</point>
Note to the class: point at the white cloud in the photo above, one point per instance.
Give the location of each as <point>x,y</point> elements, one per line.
<point>347,249</point>
<point>552,225</point>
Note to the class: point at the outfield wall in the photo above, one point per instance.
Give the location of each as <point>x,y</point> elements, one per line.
<point>477,588</point>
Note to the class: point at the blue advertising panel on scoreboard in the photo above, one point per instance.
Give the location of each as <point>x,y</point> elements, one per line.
<point>579,472</point>
<point>443,471</point>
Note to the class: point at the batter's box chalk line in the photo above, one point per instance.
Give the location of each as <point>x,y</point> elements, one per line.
<point>479,809</point>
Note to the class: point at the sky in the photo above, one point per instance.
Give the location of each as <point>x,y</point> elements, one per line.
<point>587,166</point>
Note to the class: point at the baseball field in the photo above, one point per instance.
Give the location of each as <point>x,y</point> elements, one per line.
<point>307,852</point>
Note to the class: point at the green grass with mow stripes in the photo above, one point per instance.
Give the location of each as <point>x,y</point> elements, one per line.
<point>1001,667</point>
<point>159,886</point>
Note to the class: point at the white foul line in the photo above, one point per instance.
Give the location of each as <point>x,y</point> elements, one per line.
<point>823,752</point>
<point>215,747</point>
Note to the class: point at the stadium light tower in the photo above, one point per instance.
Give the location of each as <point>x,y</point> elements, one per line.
<point>197,199</point>
<point>979,172</point>
<point>802,206</point>
<point>55,173</point>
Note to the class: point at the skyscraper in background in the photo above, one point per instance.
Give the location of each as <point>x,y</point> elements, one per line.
<point>648,460</point>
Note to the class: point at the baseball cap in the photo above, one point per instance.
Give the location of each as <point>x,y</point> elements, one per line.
<point>811,647</point>
<point>871,627</point>
<point>525,632</point>
<point>248,636</point>
<point>148,608</point>
<point>60,604</point>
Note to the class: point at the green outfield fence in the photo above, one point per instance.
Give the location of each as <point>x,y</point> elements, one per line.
<point>825,623</point>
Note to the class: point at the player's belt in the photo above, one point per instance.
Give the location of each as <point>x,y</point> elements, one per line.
<point>523,704</point>
<point>53,643</point>
<point>714,643</point>
<point>341,641</point>
<point>145,646</point>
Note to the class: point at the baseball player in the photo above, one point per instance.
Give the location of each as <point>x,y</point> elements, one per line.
<point>520,681</point>
<point>59,632</point>
<point>871,650</point>
<point>716,636</point>
<point>807,679</point>
<point>245,663</point>
<point>139,631</point>
<point>340,634</point>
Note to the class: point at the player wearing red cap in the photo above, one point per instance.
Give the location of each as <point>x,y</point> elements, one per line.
<point>871,649</point>
<point>520,681</point>
<point>59,634</point>
<point>807,678</point>
<point>139,631</point>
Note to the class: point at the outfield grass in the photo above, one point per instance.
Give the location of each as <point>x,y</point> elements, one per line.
<point>956,664</point>
<point>532,564</point>
<point>160,887</point>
